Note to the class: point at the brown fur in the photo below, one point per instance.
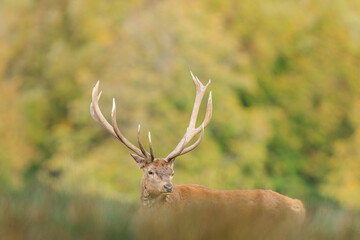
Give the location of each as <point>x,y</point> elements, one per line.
<point>246,202</point>
<point>191,208</point>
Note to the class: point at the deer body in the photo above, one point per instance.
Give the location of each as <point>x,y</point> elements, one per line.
<point>157,190</point>
<point>264,203</point>
<point>267,200</point>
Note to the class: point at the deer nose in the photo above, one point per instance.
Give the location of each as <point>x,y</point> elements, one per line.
<point>168,188</point>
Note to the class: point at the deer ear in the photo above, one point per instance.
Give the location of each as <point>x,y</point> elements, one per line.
<point>139,160</point>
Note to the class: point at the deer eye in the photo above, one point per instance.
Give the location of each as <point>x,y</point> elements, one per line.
<point>151,172</point>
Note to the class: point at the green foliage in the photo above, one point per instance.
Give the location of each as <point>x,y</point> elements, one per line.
<point>285,82</point>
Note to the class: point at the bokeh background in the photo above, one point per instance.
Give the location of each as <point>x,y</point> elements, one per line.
<point>286,93</point>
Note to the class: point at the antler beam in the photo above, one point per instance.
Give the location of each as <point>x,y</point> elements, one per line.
<point>191,131</point>
<point>113,129</point>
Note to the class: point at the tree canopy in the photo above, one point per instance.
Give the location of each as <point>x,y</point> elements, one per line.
<point>285,83</point>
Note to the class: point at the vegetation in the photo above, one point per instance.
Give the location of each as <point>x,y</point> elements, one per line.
<point>286,93</point>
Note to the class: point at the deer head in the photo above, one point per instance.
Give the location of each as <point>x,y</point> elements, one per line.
<point>158,172</point>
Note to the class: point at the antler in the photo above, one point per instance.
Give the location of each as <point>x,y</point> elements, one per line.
<point>180,149</point>
<point>113,129</point>
<point>191,131</point>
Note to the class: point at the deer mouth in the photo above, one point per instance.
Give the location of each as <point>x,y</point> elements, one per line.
<point>164,192</point>
<point>167,192</point>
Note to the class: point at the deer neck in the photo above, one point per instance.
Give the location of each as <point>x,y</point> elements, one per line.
<point>150,201</point>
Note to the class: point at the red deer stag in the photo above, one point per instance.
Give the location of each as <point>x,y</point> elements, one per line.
<point>156,185</point>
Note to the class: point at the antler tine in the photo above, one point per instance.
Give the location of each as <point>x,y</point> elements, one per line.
<point>96,112</point>
<point>141,145</point>
<point>208,114</point>
<point>151,148</point>
<point>200,91</point>
<point>92,111</point>
<point>191,131</point>
<point>188,149</point>
<point>126,142</point>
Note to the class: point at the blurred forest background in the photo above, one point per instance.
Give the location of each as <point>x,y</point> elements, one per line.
<point>285,82</point>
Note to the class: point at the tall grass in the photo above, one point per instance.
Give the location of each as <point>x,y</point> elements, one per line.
<point>41,213</point>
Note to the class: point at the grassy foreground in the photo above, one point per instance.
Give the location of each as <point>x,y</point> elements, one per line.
<point>41,213</point>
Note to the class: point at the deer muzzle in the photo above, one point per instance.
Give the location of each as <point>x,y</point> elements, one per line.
<point>168,188</point>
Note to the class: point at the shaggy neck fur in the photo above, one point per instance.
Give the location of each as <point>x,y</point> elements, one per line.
<point>149,201</point>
